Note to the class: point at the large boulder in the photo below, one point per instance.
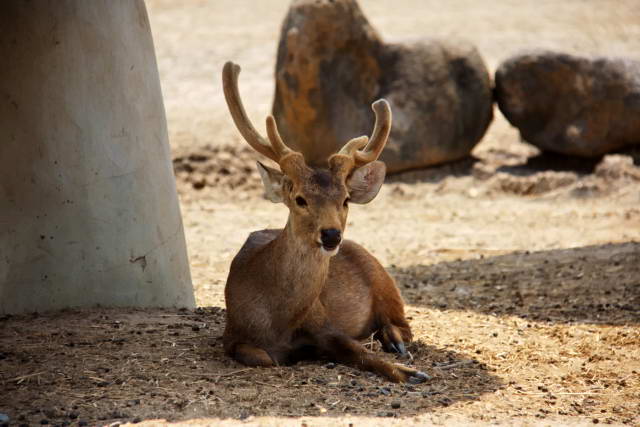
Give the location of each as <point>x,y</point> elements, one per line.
<point>569,104</point>
<point>332,64</point>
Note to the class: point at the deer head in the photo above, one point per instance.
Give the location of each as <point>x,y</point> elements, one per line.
<point>318,198</point>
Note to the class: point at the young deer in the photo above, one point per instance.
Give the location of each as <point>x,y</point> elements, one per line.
<point>302,291</point>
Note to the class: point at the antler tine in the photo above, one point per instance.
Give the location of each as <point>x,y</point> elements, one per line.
<point>353,145</point>
<point>277,144</point>
<point>380,134</point>
<point>230,74</point>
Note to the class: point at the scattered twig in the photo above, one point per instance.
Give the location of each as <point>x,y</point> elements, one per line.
<point>455,364</point>
<point>585,393</point>
<point>226,374</point>
<point>270,385</point>
<point>21,378</point>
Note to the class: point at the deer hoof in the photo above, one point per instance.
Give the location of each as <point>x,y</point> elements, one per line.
<point>391,338</point>
<point>398,347</point>
<point>418,377</point>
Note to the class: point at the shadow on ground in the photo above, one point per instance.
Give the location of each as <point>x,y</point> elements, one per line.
<point>593,284</point>
<point>505,162</point>
<point>435,174</point>
<point>547,161</point>
<point>105,366</point>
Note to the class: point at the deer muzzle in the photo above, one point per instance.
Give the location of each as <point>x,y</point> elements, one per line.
<point>330,238</point>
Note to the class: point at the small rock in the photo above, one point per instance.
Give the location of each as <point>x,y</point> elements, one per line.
<point>429,393</point>
<point>199,182</point>
<point>330,365</point>
<point>396,404</point>
<point>385,390</point>
<point>445,401</point>
<point>198,157</point>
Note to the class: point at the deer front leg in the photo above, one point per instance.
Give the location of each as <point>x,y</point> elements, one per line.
<point>392,339</point>
<point>393,330</point>
<point>345,349</point>
<point>342,348</point>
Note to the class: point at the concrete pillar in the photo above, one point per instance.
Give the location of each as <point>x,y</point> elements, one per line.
<point>89,213</point>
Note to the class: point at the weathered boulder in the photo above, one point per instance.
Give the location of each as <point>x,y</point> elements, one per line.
<point>332,65</point>
<point>571,105</point>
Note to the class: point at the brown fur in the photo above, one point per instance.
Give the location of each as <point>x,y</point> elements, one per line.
<point>288,294</point>
<point>283,294</point>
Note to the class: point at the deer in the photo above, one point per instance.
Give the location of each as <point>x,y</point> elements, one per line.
<point>303,291</point>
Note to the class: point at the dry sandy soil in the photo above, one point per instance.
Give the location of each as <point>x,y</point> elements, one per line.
<point>521,271</point>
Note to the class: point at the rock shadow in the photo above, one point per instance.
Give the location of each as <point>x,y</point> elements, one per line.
<point>548,161</point>
<point>435,174</point>
<point>633,152</point>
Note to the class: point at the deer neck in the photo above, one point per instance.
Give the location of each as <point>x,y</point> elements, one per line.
<point>301,269</point>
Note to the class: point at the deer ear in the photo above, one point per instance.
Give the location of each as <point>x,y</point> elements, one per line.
<point>365,182</point>
<point>272,180</point>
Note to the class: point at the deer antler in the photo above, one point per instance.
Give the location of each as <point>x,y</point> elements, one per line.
<point>357,152</point>
<point>353,145</point>
<point>277,144</point>
<point>277,149</point>
<point>381,131</point>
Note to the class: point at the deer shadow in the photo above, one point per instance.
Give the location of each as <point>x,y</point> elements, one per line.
<point>305,387</point>
<point>115,365</point>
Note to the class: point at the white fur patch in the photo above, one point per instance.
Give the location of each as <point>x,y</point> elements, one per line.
<point>331,252</point>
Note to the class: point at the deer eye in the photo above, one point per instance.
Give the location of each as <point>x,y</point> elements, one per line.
<point>300,201</point>
<point>346,202</point>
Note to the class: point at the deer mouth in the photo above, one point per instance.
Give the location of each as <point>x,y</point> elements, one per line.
<point>329,250</point>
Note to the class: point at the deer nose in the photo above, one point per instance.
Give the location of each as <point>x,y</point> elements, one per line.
<point>330,237</point>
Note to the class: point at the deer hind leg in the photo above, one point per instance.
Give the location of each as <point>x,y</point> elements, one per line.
<point>250,355</point>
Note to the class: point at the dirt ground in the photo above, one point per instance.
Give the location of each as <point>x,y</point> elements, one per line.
<point>520,270</point>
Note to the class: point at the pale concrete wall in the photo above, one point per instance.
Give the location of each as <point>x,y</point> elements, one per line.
<point>89,213</point>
